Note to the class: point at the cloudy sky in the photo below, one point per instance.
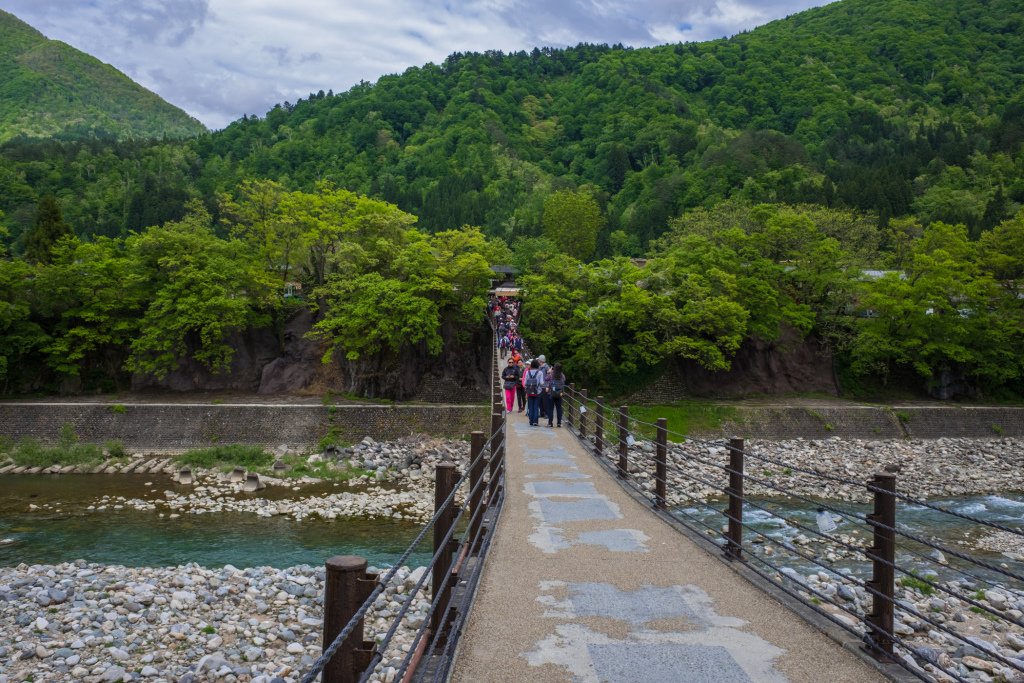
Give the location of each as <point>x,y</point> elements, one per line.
<point>220,59</point>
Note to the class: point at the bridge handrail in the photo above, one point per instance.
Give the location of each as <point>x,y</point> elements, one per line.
<point>490,451</point>
<point>575,399</point>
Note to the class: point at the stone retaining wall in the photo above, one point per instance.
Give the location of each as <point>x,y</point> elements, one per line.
<point>871,422</point>
<point>168,427</point>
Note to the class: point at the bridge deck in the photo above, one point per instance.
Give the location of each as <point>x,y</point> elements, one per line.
<point>584,584</point>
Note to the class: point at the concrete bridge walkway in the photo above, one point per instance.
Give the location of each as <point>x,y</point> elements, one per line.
<point>584,584</point>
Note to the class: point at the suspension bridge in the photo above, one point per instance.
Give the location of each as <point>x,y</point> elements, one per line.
<point>569,554</point>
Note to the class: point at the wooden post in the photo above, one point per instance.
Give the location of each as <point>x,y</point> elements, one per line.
<point>661,464</point>
<point>623,446</point>
<point>599,425</point>
<point>445,477</point>
<point>497,463</point>
<point>583,415</point>
<point>882,555</point>
<point>476,488</point>
<point>568,406</point>
<point>346,587</point>
<point>734,537</point>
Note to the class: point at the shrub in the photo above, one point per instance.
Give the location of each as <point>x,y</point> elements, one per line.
<point>235,455</point>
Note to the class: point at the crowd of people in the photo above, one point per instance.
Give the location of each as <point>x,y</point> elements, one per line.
<point>531,384</point>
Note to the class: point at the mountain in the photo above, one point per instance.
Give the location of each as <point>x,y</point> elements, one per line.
<point>48,88</point>
<point>889,107</point>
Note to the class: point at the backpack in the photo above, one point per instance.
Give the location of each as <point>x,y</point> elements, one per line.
<point>533,382</point>
<point>557,385</point>
<point>518,344</point>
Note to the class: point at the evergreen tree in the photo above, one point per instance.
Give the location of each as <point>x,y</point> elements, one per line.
<point>46,230</point>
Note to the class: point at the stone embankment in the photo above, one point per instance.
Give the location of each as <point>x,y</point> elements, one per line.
<point>99,624</point>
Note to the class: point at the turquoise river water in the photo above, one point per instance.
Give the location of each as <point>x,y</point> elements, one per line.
<point>143,538</point>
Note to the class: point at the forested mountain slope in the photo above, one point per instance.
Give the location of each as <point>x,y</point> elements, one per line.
<point>850,177</point>
<point>891,106</point>
<point>48,88</point>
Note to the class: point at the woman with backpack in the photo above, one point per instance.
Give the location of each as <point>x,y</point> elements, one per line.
<point>534,385</point>
<point>510,377</point>
<point>555,387</point>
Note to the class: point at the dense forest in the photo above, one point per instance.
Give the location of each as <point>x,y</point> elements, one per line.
<point>854,172</point>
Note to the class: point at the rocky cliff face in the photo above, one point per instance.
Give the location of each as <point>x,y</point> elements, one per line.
<point>789,365</point>
<point>264,364</point>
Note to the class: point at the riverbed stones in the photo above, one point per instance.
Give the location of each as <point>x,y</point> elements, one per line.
<point>91,637</point>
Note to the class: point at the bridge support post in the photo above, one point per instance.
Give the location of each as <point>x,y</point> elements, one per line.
<point>346,587</point>
<point>661,465</point>
<point>476,489</point>
<point>583,415</point>
<point>497,461</point>
<point>445,477</point>
<point>623,446</point>
<point>734,537</point>
<point>883,556</point>
<point>599,425</point>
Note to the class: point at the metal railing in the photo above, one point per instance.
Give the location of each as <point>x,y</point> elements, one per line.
<point>663,478</point>
<point>466,507</point>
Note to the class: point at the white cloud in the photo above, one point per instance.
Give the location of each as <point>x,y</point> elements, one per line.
<point>219,59</point>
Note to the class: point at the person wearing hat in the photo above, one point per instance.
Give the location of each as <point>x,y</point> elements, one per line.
<point>542,399</point>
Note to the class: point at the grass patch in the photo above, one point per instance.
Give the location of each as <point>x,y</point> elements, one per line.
<point>67,451</point>
<point>236,455</point>
<point>917,584</point>
<point>684,417</point>
<point>118,409</point>
<point>985,613</point>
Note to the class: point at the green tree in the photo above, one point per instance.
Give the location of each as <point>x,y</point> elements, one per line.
<point>200,290</point>
<point>47,229</point>
<point>572,220</point>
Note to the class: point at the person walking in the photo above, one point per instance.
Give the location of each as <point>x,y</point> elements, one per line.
<point>520,388</point>
<point>534,385</point>
<point>510,377</point>
<point>542,402</point>
<point>555,387</point>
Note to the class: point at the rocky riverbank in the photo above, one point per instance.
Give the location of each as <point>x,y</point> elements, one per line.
<point>987,645</point>
<point>99,624</point>
<point>940,468</point>
<point>399,484</point>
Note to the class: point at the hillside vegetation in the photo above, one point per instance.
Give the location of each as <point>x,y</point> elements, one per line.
<point>854,173</point>
<point>50,89</point>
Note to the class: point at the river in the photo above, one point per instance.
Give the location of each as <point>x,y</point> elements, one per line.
<point>144,538</point>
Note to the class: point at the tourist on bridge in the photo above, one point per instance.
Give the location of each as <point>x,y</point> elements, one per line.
<point>503,345</point>
<point>534,385</point>
<point>510,377</point>
<point>542,401</point>
<point>520,389</point>
<point>555,386</point>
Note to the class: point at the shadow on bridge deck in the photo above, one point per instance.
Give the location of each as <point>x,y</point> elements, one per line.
<point>584,584</point>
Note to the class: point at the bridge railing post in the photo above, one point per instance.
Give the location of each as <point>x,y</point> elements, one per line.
<point>883,557</point>
<point>497,461</point>
<point>599,425</point>
<point>661,464</point>
<point>734,537</point>
<point>623,446</point>
<point>476,487</point>
<point>583,415</point>
<point>444,481</point>
<point>346,587</point>
<point>569,420</point>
